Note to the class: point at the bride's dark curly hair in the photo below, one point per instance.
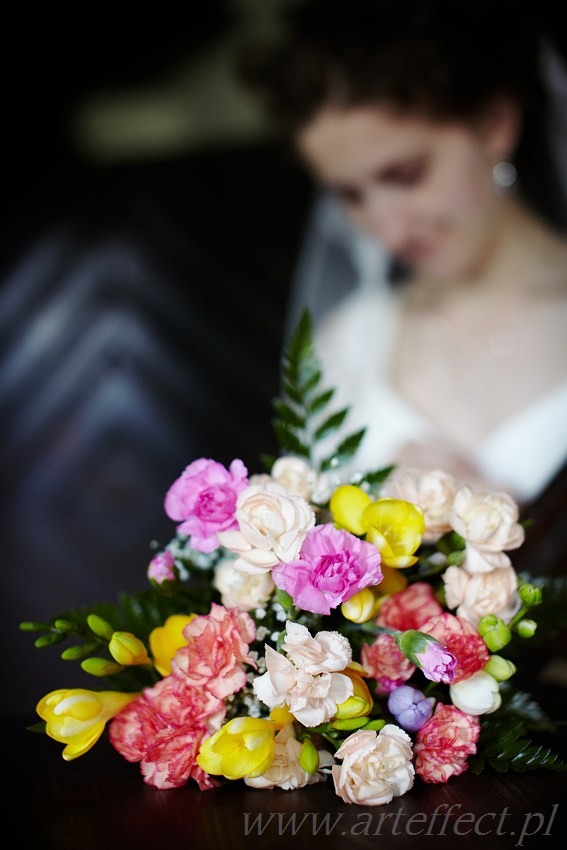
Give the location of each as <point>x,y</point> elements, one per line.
<point>441,59</point>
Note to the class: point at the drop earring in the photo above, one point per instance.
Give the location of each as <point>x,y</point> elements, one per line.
<point>504,176</point>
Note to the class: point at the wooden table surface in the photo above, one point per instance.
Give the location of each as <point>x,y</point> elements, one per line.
<point>101,801</point>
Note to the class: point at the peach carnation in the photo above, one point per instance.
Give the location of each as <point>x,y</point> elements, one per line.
<point>217,647</point>
<point>409,608</point>
<point>383,661</point>
<point>444,743</point>
<point>460,637</point>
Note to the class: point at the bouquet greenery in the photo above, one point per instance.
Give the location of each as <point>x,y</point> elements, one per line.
<point>305,623</point>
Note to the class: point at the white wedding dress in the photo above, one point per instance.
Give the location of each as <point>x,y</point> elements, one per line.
<point>355,328</point>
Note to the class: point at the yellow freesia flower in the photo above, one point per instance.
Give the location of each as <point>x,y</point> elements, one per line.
<point>360,703</point>
<point>243,747</point>
<point>347,507</point>
<point>127,649</point>
<point>77,717</point>
<point>396,528</point>
<point>167,639</point>
<point>361,606</point>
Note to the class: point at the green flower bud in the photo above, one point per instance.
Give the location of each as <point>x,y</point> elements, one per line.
<point>500,668</point>
<point>33,626</point>
<point>530,595</point>
<point>100,627</point>
<point>308,756</point>
<point>66,626</point>
<point>74,653</point>
<point>49,639</point>
<point>495,632</point>
<point>127,649</point>
<point>375,725</point>
<point>526,628</point>
<point>349,723</point>
<point>101,666</point>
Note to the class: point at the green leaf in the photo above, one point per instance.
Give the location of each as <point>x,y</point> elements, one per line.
<point>311,379</point>
<point>344,452</point>
<point>288,440</point>
<point>331,424</point>
<point>320,402</point>
<point>455,559</point>
<point>377,477</point>
<point>288,414</point>
<point>504,746</point>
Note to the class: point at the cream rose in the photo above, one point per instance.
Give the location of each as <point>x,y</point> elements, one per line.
<point>375,767</point>
<point>242,590</point>
<point>478,694</point>
<point>285,770</point>
<point>272,526</point>
<point>476,594</point>
<point>488,522</point>
<point>433,490</point>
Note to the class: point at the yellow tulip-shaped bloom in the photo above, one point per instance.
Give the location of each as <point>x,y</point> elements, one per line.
<point>360,703</point>
<point>347,506</point>
<point>167,639</point>
<point>127,649</point>
<point>243,747</point>
<point>77,717</point>
<point>396,528</point>
<point>361,606</point>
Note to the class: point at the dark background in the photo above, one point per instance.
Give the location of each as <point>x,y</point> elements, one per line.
<point>142,306</point>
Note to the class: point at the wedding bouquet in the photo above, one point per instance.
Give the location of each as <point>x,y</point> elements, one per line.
<point>307,622</point>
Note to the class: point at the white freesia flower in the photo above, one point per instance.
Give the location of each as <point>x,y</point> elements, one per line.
<point>272,527</point>
<point>477,694</point>
<point>242,590</point>
<point>375,767</point>
<point>285,770</point>
<point>476,594</point>
<point>312,699</point>
<point>327,652</point>
<point>433,490</point>
<point>488,522</point>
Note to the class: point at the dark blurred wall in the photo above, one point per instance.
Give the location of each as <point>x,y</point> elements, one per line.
<point>141,319</point>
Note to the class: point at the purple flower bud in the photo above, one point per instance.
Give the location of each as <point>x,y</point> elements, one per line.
<point>437,663</point>
<point>434,660</point>
<point>410,707</point>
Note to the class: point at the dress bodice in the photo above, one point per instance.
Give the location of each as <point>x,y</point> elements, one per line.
<point>354,343</point>
<point>356,314</point>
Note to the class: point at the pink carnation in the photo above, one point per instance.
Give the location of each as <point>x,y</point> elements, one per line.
<point>163,729</point>
<point>383,661</point>
<point>161,567</point>
<point>409,608</point>
<point>204,499</point>
<point>444,744</point>
<point>217,647</point>
<point>460,637</point>
<point>332,566</point>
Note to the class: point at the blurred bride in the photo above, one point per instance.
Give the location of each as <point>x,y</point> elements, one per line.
<point>435,266</point>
